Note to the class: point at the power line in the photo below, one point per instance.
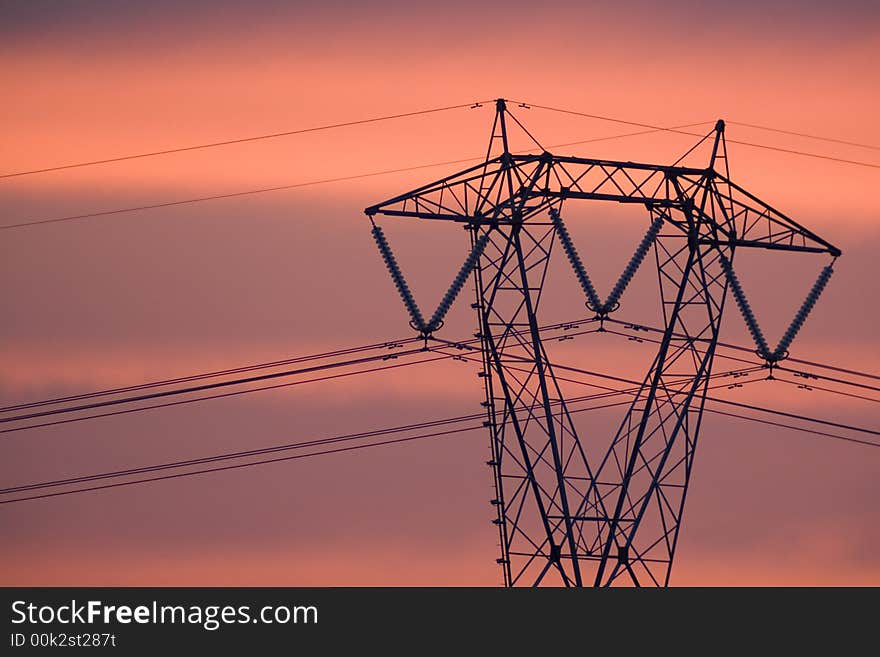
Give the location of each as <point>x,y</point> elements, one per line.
<point>792,151</point>
<point>804,134</point>
<point>224,395</point>
<point>605,118</point>
<point>265,190</point>
<point>612,392</point>
<point>288,133</point>
<point>217,197</point>
<point>638,338</point>
<point>240,465</point>
<point>335,439</point>
<point>619,379</point>
<point>566,325</point>
<point>593,140</point>
<point>234,455</point>
<point>653,329</point>
<point>549,327</point>
<point>240,140</point>
<point>833,368</point>
<point>276,448</point>
<point>209,375</point>
<point>204,387</point>
<point>805,375</point>
<point>796,416</point>
<point>398,343</point>
<point>810,375</point>
<point>694,134</point>
<point>234,393</point>
<point>810,386</point>
<point>725,401</point>
<point>823,434</point>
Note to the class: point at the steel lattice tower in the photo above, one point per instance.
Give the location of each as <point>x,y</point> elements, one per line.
<point>614,518</point>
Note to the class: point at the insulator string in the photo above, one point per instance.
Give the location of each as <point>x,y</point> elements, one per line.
<point>399,281</point>
<point>803,312</point>
<point>745,309</point>
<point>575,260</point>
<point>466,268</point>
<point>633,265</point>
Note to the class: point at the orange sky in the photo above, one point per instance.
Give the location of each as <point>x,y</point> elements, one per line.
<point>146,295</point>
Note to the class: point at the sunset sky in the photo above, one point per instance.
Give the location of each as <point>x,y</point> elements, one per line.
<point>127,298</point>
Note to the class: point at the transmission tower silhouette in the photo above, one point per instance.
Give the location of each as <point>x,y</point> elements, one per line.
<point>613,518</point>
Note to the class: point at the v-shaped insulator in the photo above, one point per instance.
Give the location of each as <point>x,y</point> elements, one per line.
<point>611,303</point>
<point>418,321</point>
<point>752,323</point>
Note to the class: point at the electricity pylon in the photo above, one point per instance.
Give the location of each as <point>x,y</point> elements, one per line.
<point>571,510</point>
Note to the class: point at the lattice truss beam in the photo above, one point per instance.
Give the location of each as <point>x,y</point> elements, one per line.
<point>574,509</point>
